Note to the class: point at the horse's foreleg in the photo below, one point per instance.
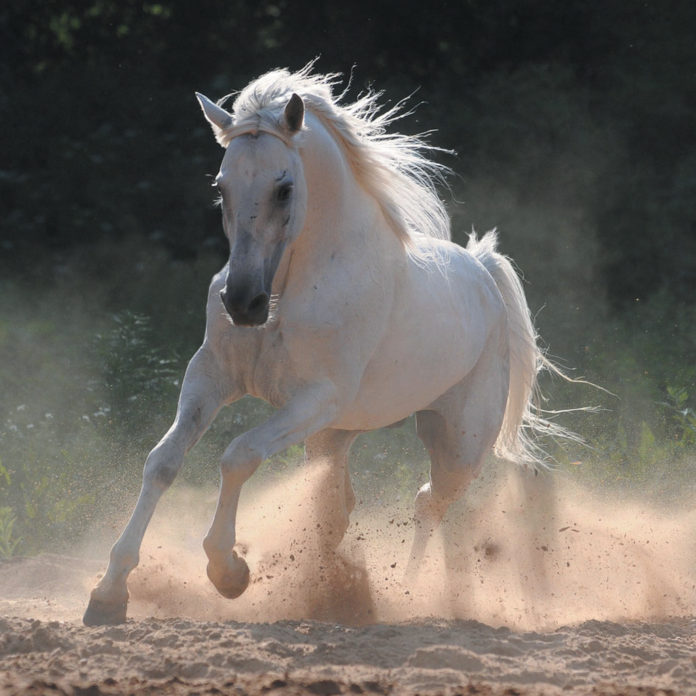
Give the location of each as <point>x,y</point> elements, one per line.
<point>305,414</point>
<point>202,394</point>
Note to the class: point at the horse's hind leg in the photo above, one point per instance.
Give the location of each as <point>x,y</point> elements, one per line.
<point>458,430</point>
<point>335,498</point>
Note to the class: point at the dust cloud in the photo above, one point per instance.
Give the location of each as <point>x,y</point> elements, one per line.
<point>531,552</point>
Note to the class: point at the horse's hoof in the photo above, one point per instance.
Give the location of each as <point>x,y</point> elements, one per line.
<point>101,613</point>
<point>232,579</point>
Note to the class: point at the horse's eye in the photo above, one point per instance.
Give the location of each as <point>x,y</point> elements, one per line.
<point>283,193</point>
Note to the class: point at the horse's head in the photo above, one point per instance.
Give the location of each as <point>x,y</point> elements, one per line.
<point>263,199</point>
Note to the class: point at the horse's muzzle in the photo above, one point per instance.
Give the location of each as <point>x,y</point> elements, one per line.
<point>246,311</point>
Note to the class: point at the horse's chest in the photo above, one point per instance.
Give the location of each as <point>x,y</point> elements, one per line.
<point>273,377</point>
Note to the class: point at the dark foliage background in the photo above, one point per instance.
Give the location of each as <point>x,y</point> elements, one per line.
<point>102,138</point>
<point>573,124</point>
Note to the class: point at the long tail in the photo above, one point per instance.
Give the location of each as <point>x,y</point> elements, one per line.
<point>522,423</point>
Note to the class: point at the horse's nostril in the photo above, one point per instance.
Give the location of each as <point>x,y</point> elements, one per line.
<point>245,313</point>
<point>259,303</point>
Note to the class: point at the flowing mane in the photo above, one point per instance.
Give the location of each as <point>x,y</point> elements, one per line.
<point>392,167</point>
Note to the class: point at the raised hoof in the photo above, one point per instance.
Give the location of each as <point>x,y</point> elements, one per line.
<point>100,613</point>
<point>232,579</point>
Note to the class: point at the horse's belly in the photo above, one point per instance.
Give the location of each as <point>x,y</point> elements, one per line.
<point>394,396</point>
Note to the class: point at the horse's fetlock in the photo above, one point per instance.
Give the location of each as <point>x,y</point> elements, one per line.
<point>212,549</point>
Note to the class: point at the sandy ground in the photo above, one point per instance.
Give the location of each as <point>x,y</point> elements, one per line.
<point>531,588</point>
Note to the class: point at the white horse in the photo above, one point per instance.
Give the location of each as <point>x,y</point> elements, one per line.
<point>344,305</point>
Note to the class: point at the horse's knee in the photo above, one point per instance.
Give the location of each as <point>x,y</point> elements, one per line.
<point>161,468</point>
<point>240,459</point>
<point>160,475</point>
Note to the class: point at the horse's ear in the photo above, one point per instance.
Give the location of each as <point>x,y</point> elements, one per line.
<point>294,114</point>
<point>218,118</point>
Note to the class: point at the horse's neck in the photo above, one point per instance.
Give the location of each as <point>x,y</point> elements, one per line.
<point>342,218</point>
